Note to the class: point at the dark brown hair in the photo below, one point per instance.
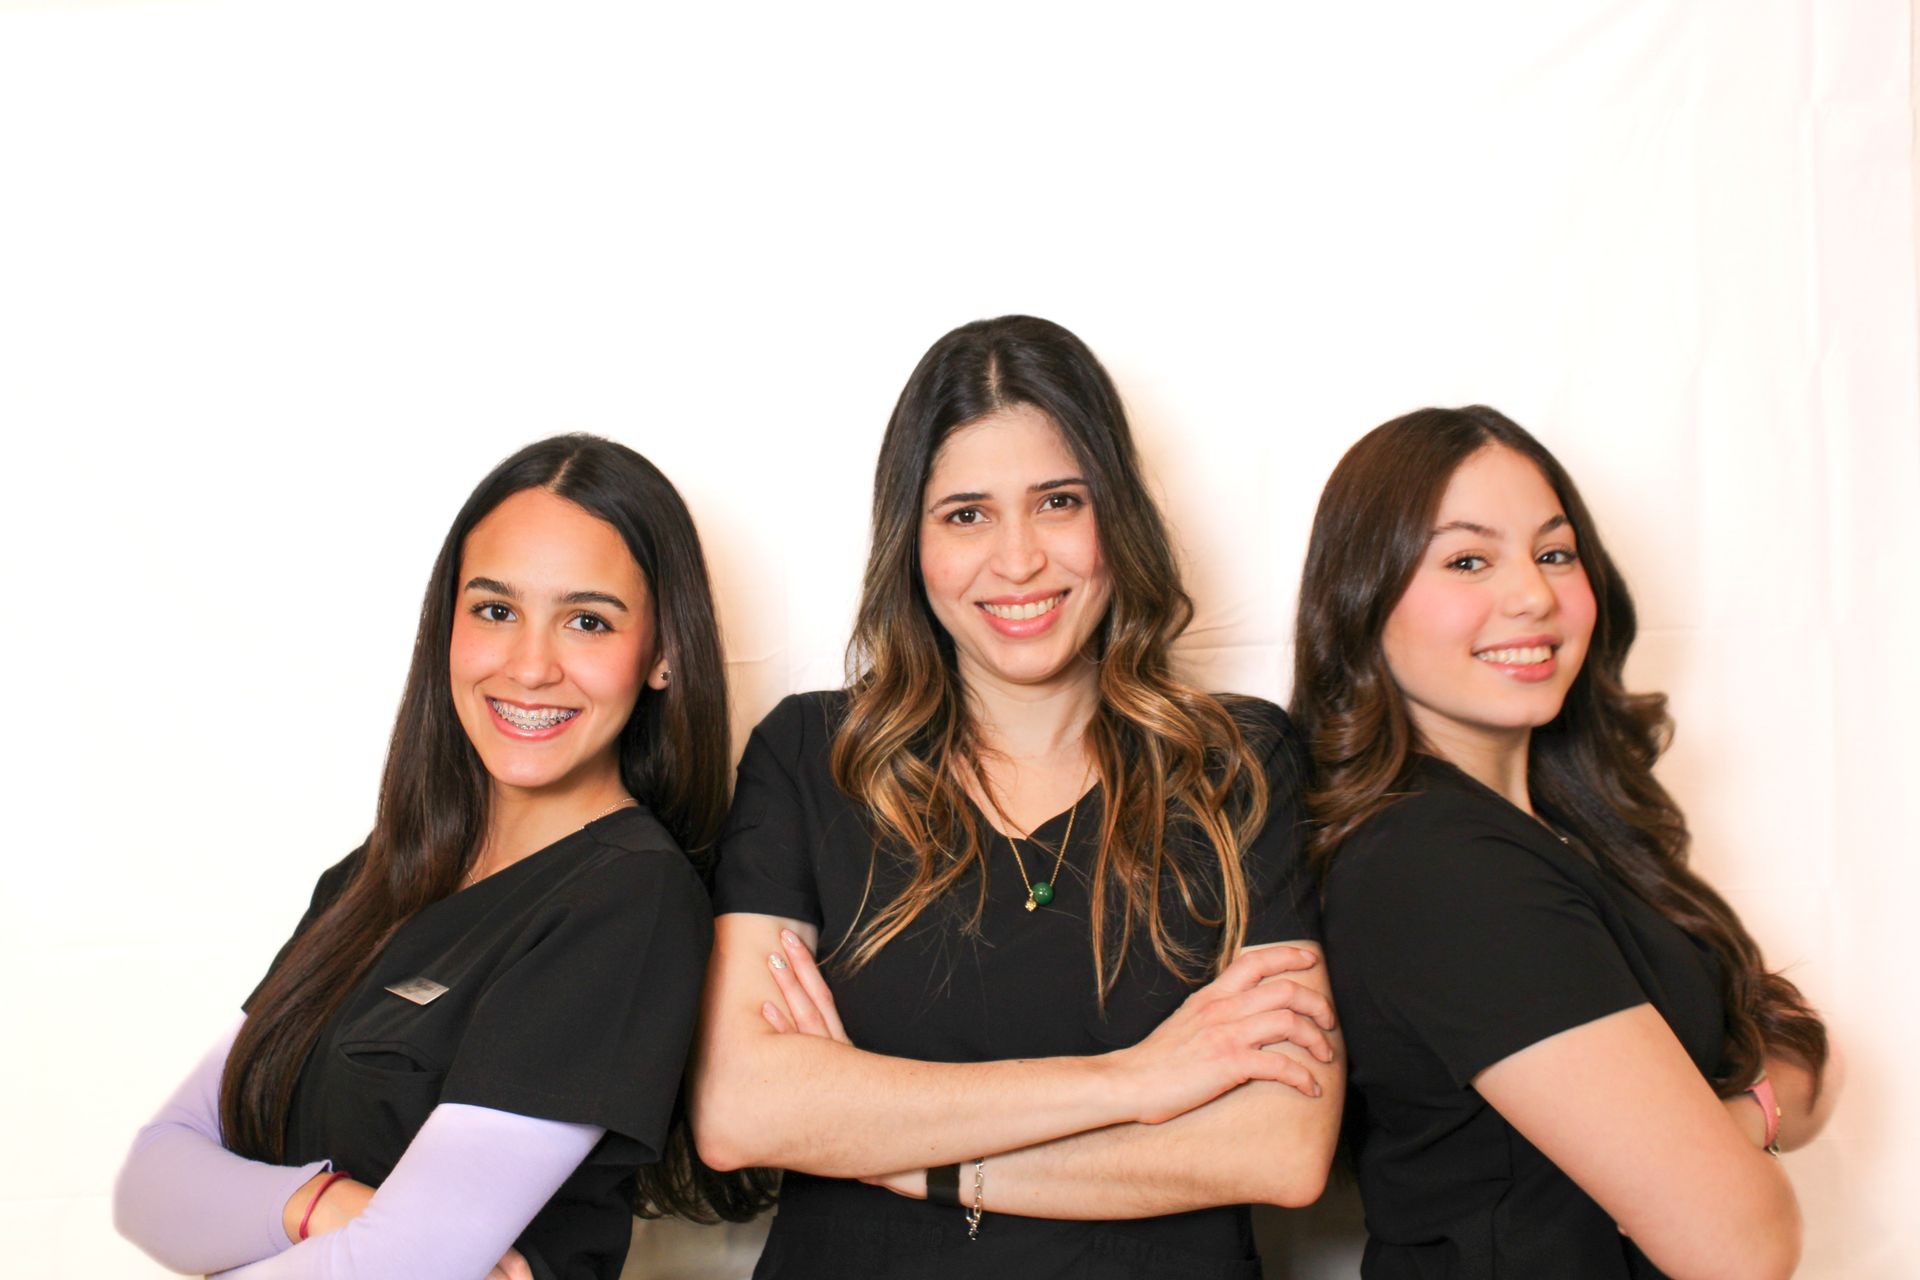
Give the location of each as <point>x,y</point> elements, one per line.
<point>1167,756</point>
<point>1589,770</point>
<point>432,813</point>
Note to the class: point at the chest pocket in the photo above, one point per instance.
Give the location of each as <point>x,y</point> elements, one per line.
<point>383,1079</point>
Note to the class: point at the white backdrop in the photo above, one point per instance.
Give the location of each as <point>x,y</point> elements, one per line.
<point>279,282</point>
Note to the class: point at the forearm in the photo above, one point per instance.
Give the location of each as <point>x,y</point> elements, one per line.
<point>188,1202</point>
<point>1261,1143</point>
<point>798,1102</point>
<point>468,1185</point>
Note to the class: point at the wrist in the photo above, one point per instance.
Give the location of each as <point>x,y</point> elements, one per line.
<point>1760,1092</point>
<point>1116,1082</point>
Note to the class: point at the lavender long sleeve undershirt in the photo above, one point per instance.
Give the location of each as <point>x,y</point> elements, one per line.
<point>465,1188</point>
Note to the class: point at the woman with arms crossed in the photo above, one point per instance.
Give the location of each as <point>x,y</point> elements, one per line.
<point>1021,845</point>
<point>466,1060</point>
<point>1553,1023</point>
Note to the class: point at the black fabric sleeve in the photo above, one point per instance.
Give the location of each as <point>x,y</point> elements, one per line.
<point>325,890</point>
<point>765,863</point>
<point>1476,944</point>
<point>1283,902</point>
<point>591,1021</point>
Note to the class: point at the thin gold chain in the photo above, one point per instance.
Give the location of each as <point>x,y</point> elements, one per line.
<point>1058,860</point>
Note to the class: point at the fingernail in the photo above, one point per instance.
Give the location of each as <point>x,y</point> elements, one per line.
<point>789,937</point>
<point>1316,1090</point>
<point>767,1010</point>
<point>777,962</point>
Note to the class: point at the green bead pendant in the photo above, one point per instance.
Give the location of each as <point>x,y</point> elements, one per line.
<point>1042,893</point>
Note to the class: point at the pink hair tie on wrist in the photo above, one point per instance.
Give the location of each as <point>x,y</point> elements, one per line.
<point>1762,1093</point>
<point>314,1203</point>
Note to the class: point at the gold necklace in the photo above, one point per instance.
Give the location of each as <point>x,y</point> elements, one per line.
<point>1040,893</point>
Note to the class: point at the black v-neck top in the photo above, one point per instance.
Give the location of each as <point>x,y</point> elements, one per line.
<point>1023,986</point>
<point>1460,931</point>
<point>573,977</point>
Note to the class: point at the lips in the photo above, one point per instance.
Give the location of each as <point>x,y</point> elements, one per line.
<point>1021,618</point>
<point>1529,659</point>
<point>531,721</point>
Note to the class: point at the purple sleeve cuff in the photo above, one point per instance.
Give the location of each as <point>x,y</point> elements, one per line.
<point>468,1185</point>
<point>191,1204</point>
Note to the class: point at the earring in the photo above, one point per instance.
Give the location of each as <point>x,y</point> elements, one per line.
<point>666,677</point>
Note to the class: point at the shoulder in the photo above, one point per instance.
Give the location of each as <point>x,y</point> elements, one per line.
<point>1270,733</point>
<point>1442,847</point>
<point>634,859</point>
<point>1264,724</point>
<point>335,879</point>
<point>803,722</point>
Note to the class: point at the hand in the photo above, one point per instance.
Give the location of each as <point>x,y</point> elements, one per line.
<point>511,1267</point>
<point>809,1008</point>
<point>809,1011</point>
<point>1216,1039</point>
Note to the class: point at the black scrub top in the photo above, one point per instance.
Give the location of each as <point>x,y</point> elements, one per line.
<point>573,978</point>
<point>1022,987</point>
<point>1460,931</point>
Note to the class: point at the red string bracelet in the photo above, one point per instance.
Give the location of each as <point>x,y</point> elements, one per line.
<point>314,1203</point>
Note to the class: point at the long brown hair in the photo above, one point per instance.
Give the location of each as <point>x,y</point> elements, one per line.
<point>1169,757</point>
<point>432,813</point>
<point>1589,770</point>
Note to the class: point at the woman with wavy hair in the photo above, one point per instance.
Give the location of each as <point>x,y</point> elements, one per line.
<point>1567,1057</point>
<point>466,1061</point>
<point>1056,891</point>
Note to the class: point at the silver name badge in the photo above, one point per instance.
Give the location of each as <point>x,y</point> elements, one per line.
<point>418,990</point>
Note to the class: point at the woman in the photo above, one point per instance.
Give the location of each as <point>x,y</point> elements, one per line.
<point>1022,845</point>
<point>468,1054</point>
<point>1567,1059</point>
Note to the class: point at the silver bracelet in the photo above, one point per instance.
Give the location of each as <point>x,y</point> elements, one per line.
<point>979,1209</point>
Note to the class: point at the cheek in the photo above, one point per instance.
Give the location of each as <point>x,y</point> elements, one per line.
<point>1433,622</point>
<point>945,570</point>
<point>1087,561</point>
<point>472,655</point>
<point>610,671</point>
<point>1577,608</point>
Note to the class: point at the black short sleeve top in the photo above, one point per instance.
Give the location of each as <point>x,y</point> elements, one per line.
<point>1022,986</point>
<point>572,981</point>
<point>1460,931</point>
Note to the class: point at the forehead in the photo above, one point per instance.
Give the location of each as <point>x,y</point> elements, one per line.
<point>1018,446</point>
<point>539,538</point>
<point>1500,489</point>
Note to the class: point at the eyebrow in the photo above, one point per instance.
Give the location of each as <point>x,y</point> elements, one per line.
<point>1044,486</point>
<point>1468,526</point>
<point>499,588</point>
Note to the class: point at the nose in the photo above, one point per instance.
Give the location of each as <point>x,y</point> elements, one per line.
<point>1017,553</point>
<point>534,660</point>
<point>1529,594</point>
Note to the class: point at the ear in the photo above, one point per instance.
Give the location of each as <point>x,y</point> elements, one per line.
<point>660,676</point>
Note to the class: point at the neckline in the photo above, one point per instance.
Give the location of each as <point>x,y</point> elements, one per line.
<point>1037,828</point>
<point>1533,820</point>
<point>540,854</point>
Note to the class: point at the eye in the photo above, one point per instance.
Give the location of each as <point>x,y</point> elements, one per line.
<point>591,623</point>
<point>1060,502</point>
<point>1467,563</point>
<point>492,611</point>
<point>1559,556</point>
<point>966,516</point>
